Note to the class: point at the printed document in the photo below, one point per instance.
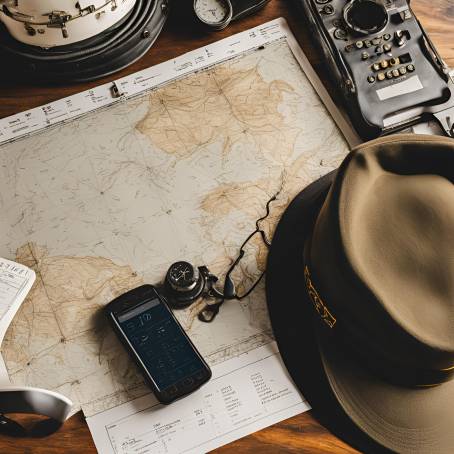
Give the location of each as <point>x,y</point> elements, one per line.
<point>246,394</point>
<point>15,282</point>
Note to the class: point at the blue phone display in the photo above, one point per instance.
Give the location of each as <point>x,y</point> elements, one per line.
<point>157,339</point>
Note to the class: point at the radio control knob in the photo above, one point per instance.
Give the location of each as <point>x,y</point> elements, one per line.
<point>394,61</point>
<point>340,33</point>
<point>365,17</point>
<point>400,38</point>
<point>328,10</point>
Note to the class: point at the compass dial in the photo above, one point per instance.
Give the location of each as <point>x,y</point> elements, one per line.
<point>182,276</point>
<point>216,13</point>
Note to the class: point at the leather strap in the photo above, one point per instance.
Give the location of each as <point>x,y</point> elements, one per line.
<point>242,8</point>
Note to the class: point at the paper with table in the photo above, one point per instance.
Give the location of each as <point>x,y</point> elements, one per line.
<point>104,193</point>
<point>246,394</point>
<point>16,280</point>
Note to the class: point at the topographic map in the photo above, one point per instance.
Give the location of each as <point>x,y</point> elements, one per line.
<point>108,201</point>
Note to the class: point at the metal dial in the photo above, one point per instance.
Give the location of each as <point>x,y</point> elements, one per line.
<point>182,276</point>
<point>365,16</point>
<point>214,13</point>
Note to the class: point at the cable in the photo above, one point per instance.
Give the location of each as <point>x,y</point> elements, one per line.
<point>209,312</point>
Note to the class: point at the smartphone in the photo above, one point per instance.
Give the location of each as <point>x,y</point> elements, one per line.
<point>170,363</point>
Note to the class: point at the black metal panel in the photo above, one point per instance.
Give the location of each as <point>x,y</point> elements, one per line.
<point>381,69</point>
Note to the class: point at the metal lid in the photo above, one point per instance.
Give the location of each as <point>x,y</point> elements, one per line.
<point>50,23</point>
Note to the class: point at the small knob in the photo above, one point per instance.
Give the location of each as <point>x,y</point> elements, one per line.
<point>400,38</point>
<point>394,61</point>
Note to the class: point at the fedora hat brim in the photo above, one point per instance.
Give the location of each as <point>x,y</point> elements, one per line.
<point>365,411</point>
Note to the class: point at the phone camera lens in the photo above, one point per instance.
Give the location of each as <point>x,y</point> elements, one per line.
<point>365,16</point>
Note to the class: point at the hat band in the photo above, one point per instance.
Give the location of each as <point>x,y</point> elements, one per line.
<point>389,369</point>
<point>319,306</point>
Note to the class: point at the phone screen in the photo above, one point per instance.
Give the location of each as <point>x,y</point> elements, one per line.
<point>160,344</point>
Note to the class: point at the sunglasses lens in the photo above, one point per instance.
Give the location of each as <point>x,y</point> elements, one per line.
<point>229,288</point>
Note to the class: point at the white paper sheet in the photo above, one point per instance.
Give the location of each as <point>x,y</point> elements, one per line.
<point>246,394</point>
<point>15,282</point>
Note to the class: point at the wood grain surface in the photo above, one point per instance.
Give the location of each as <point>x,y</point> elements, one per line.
<point>301,434</point>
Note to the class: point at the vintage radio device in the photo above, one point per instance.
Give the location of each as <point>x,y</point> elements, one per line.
<point>387,70</point>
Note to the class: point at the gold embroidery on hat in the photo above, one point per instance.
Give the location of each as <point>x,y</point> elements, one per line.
<point>319,305</point>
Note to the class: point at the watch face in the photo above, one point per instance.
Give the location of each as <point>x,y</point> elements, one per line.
<point>183,276</point>
<point>213,12</point>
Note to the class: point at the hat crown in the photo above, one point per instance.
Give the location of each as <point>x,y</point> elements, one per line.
<point>381,254</point>
<point>399,237</point>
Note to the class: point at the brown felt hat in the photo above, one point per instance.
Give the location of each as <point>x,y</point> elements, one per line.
<point>360,289</point>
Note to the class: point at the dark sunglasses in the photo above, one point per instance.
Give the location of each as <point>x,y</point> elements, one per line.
<point>229,292</point>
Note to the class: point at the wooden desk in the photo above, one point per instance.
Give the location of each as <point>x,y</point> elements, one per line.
<point>302,433</point>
